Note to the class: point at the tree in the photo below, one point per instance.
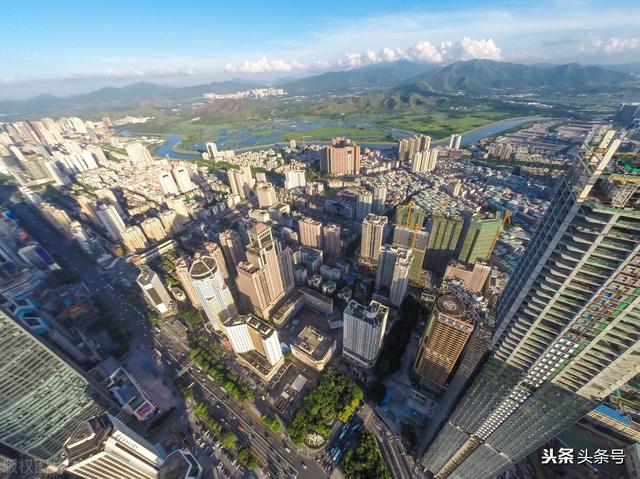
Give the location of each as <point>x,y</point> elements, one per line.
<point>229,440</point>
<point>365,461</point>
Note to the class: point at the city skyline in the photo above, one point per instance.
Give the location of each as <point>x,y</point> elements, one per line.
<point>170,49</point>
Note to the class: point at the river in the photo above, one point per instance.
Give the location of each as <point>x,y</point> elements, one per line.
<point>471,136</point>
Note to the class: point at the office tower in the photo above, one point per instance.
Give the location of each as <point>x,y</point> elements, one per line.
<point>57,217</point>
<point>363,332</point>
<point>253,286</point>
<point>294,179</point>
<point>215,251</point>
<point>372,235</point>
<point>310,233</point>
<point>248,333</point>
<point>331,240</point>
<point>232,248</point>
<point>443,241</point>
<point>154,291</point>
<point>443,341</point>
<point>167,184</point>
<point>379,198</point>
<point>341,158</point>
<point>183,179</point>
<point>566,328</point>
<point>153,229</point>
<point>133,238</point>
<point>264,251</point>
<point>103,447</point>
<point>107,196</point>
<point>393,272</point>
<point>454,142</point>
<point>240,181</point>
<point>139,155</point>
<point>424,161</point>
<point>42,396</point>
<point>416,240</point>
<point>182,271</point>
<point>479,235</point>
<point>110,220</point>
<point>266,194</point>
<point>364,204</point>
<point>214,294</point>
<point>409,216</point>
<point>171,221</point>
<point>408,147</point>
<point>212,149</point>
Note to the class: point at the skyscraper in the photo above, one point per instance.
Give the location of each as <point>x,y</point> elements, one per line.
<point>364,204</point>
<point>154,290</point>
<point>479,237</point>
<point>214,294</point>
<point>240,181</point>
<point>408,147</point>
<point>110,220</point>
<point>42,396</point>
<point>416,240</point>
<point>102,447</point>
<point>363,332</point>
<point>153,229</point>
<point>331,240</point>
<point>294,179</point>
<point>409,216</point>
<point>171,221</point>
<point>443,341</point>
<point>215,251</point>
<point>183,179</point>
<point>168,184</point>
<point>379,198</point>
<point>182,271</point>
<point>454,142</point>
<point>232,248</point>
<point>393,272</point>
<point>567,331</point>
<point>139,155</point>
<point>310,232</point>
<point>424,161</point>
<point>443,241</point>
<point>340,158</point>
<point>372,235</point>
<point>266,194</point>
<point>248,333</point>
<point>134,239</point>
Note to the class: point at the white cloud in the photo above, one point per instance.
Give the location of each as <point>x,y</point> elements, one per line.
<point>264,65</point>
<point>611,45</point>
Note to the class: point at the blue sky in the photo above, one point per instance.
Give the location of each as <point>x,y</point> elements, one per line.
<point>70,47</point>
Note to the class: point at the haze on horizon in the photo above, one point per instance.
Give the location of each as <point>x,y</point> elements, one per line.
<point>64,49</point>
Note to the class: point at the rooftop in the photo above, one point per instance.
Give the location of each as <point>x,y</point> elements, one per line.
<point>313,343</point>
<point>374,313</point>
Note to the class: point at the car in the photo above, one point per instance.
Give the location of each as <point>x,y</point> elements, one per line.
<point>304,466</point>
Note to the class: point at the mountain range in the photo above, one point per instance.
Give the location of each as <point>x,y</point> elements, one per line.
<point>471,77</point>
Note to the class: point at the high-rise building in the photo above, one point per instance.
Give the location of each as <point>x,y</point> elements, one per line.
<point>232,248</point>
<point>98,154</point>
<point>153,229</point>
<point>248,333</point>
<point>474,278</point>
<point>240,181</point>
<point>110,220</point>
<point>364,204</point>
<point>454,142</point>
<point>266,194</point>
<point>311,233</point>
<point>154,290</point>
<point>106,195</point>
<point>171,221</point>
<point>331,240</point>
<point>363,332</point>
<point>340,158</point>
<point>294,179</point>
<point>416,240</point>
<point>139,155</point>
<point>215,251</point>
<point>252,282</point>
<point>408,147</point>
<point>566,326</point>
<point>424,161</point>
<point>167,184</point>
<point>212,149</point>
<point>443,241</point>
<point>443,341</point>
<point>183,179</point>
<point>57,217</point>
<point>182,271</point>
<point>43,396</point>
<point>479,237</point>
<point>214,294</point>
<point>379,199</point>
<point>393,272</point>
<point>180,207</point>
<point>372,235</point>
<point>409,216</point>
<point>103,447</point>
<point>134,239</point>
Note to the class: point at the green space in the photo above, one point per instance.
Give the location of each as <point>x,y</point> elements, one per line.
<point>271,422</point>
<point>207,354</point>
<point>326,133</point>
<point>365,461</point>
<point>202,411</point>
<point>390,358</point>
<point>336,396</point>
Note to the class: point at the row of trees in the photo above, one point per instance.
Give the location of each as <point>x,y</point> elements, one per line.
<point>271,422</point>
<point>335,397</point>
<point>365,461</point>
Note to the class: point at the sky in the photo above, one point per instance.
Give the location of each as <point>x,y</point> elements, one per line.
<point>68,47</point>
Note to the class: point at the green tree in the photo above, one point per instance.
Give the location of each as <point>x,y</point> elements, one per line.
<point>229,440</point>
